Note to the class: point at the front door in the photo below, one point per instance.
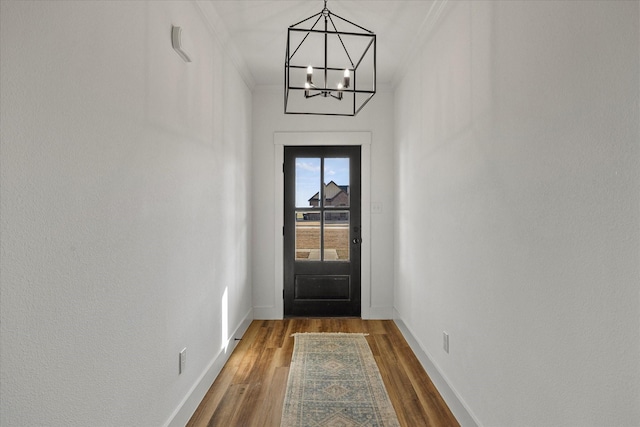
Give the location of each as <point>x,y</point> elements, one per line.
<point>322,231</point>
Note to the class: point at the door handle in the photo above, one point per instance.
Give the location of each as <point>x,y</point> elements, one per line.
<point>356,240</point>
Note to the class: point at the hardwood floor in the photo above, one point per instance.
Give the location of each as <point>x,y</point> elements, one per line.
<point>250,388</point>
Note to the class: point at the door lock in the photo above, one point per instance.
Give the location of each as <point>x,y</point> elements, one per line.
<point>356,240</point>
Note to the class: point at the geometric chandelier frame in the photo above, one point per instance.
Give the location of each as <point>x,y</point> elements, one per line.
<point>330,66</point>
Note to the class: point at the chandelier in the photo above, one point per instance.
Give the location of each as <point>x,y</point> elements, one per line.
<point>329,71</point>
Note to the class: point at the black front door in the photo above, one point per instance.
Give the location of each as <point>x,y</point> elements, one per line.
<point>322,231</point>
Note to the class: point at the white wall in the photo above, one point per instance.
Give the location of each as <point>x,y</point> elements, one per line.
<point>268,117</point>
<point>517,221</point>
<point>125,203</point>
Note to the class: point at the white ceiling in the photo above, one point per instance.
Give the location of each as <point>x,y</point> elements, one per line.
<point>257,30</point>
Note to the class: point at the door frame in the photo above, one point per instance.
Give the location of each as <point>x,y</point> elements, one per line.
<point>363,139</point>
<point>337,281</point>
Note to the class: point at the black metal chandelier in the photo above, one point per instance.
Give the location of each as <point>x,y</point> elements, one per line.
<point>329,71</point>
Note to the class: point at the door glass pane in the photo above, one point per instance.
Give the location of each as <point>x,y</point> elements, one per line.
<point>308,236</point>
<point>336,182</point>
<point>336,236</point>
<point>307,182</point>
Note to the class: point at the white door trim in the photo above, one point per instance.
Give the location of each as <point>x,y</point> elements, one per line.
<point>282,139</point>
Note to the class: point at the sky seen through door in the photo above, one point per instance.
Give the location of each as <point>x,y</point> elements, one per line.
<point>308,176</point>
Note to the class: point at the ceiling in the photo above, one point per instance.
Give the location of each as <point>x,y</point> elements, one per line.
<point>257,30</point>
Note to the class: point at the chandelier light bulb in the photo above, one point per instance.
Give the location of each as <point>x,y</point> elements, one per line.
<point>347,78</point>
<point>309,74</point>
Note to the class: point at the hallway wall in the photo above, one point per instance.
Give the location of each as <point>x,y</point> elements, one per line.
<point>124,210</point>
<point>518,211</point>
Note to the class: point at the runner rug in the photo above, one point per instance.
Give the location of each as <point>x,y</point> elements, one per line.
<point>334,381</point>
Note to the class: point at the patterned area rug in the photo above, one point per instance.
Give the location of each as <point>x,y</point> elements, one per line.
<point>334,382</point>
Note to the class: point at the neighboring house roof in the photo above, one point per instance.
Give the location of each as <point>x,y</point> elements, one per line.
<point>331,190</point>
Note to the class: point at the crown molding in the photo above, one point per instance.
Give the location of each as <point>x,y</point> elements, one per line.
<point>429,24</point>
<point>225,42</point>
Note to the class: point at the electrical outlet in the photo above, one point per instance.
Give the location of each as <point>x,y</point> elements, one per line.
<point>445,341</point>
<point>183,361</point>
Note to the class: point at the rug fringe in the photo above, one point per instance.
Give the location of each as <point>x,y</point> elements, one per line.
<point>362,334</point>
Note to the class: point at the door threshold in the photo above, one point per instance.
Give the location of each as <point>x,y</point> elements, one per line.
<point>323,317</point>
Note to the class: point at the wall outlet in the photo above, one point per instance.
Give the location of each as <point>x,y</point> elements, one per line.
<point>445,341</point>
<point>183,361</point>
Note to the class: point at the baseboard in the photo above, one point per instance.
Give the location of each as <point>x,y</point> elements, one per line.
<point>378,313</point>
<point>453,400</point>
<point>190,403</point>
<point>267,313</point>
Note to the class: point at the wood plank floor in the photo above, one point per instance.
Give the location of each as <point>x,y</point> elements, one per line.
<point>250,388</point>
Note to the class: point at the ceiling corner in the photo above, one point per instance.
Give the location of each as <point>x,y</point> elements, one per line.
<point>223,38</point>
<point>436,11</point>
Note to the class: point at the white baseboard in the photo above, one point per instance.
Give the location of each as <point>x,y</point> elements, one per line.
<point>453,400</point>
<point>267,313</point>
<point>190,403</point>
<point>378,313</point>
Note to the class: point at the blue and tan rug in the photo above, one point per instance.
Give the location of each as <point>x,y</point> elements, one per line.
<point>334,382</point>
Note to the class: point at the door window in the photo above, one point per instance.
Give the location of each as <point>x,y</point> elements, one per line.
<point>322,231</point>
